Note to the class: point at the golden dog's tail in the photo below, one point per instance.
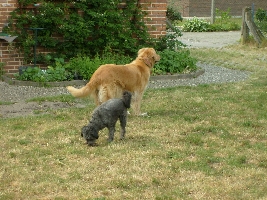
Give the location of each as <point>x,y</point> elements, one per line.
<point>82,92</point>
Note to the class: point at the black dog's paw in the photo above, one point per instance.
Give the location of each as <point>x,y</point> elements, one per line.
<point>93,145</point>
<point>110,140</point>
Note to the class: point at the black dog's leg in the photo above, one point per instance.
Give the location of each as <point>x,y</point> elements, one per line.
<point>111,133</point>
<point>123,120</point>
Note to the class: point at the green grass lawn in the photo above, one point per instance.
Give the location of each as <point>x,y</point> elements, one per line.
<point>203,142</point>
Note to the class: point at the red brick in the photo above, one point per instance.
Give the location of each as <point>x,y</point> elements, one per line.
<point>13,71</point>
<point>10,67</point>
<point>158,5</point>
<point>13,63</point>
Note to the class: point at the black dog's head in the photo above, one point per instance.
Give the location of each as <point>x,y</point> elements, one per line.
<point>90,134</point>
<point>126,98</point>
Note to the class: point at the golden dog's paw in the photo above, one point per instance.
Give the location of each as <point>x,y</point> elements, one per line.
<point>144,115</point>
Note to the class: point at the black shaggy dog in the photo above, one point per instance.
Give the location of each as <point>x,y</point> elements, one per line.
<point>106,115</point>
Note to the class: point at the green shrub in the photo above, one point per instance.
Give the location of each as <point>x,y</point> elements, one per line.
<point>118,58</point>
<point>83,67</point>
<point>261,15</point>
<point>230,26</point>
<point>30,74</point>
<point>98,25</point>
<point>170,41</point>
<point>223,16</point>
<point>2,69</point>
<point>58,73</point>
<point>172,62</point>
<point>222,23</point>
<point>261,19</point>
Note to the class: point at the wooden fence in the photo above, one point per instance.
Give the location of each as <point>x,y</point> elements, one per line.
<point>248,26</point>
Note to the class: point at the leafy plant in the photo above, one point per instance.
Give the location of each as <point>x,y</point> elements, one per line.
<point>223,23</point>
<point>170,40</point>
<point>50,59</point>
<point>173,15</point>
<point>28,74</point>
<point>261,19</point>
<point>172,62</point>
<point>223,16</point>
<point>2,68</point>
<point>58,73</point>
<point>261,15</point>
<point>196,25</point>
<point>84,66</point>
<point>110,56</point>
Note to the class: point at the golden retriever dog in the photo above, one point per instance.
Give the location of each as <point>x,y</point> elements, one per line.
<point>110,80</point>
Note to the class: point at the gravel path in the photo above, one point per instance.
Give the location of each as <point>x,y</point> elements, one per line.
<point>210,39</point>
<point>213,74</point>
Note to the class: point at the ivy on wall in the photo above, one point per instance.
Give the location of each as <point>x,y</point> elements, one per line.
<point>85,27</point>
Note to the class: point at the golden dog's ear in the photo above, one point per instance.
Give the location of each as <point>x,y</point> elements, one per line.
<point>141,51</point>
<point>148,62</point>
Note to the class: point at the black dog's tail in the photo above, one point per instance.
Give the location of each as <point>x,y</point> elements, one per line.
<point>126,98</point>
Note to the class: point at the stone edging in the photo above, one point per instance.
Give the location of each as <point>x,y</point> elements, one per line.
<point>83,82</point>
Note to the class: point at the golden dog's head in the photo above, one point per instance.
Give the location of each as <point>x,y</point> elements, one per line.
<point>149,56</point>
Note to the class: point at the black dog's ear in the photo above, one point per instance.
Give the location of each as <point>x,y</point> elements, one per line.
<point>94,133</point>
<point>89,131</point>
<point>84,130</point>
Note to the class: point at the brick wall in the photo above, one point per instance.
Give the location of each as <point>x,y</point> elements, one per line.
<point>191,8</point>
<point>155,20</point>
<point>8,54</point>
<point>156,16</point>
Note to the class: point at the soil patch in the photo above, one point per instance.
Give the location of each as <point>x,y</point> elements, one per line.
<point>33,108</point>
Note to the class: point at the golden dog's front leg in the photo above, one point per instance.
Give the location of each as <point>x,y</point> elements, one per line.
<point>136,104</point>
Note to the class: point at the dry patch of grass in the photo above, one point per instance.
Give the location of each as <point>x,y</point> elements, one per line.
<point>203,142</point>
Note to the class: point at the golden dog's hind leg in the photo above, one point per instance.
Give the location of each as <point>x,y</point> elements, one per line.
<point>96,98</point>
<point>103,95</point>
<point>109,91</point>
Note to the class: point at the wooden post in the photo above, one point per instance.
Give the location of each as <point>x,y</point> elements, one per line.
<point>213,15</point>
<point>244,29</point>
<point>249,25</point>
